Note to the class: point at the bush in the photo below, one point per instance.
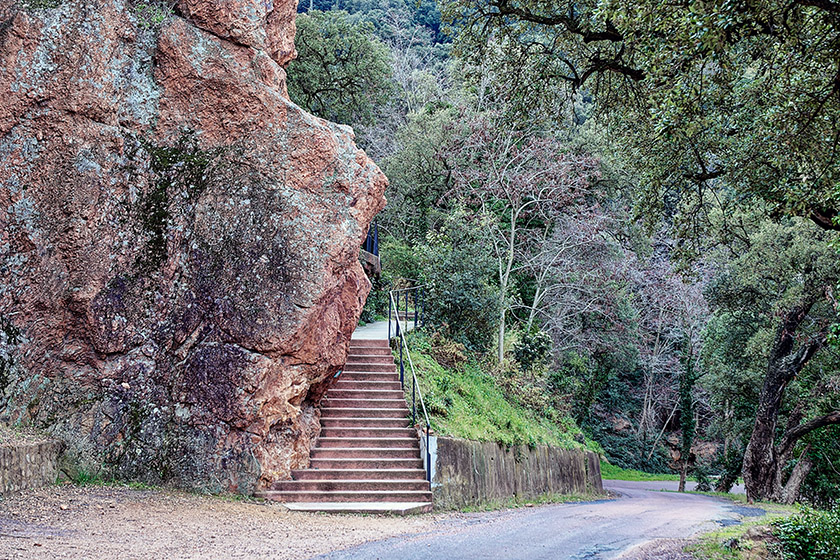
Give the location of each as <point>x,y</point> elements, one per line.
<point>461,299</point>
<point>376,304</point>
<point>532,349</point>
<point>447,353</point>
<point>810,535</point>
<point>702,472</point>
<point>399,260</point>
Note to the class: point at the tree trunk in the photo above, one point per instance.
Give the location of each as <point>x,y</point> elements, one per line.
<point>683,473</point>
<point>762,467</point>
<point>502,335</point>
<point>790,493</point>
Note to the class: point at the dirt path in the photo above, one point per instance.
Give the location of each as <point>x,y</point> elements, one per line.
<point>108,523</point>
<point>111,522</point>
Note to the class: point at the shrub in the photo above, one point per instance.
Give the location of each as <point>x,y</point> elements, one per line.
<point>447,353</point>
<point>461,299</point>
<point>702,472</point>
<point>810,535</point>
<point>532,349</point>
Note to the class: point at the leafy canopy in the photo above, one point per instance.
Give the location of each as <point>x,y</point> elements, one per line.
<point>342,72</point>
<point>698,93</point>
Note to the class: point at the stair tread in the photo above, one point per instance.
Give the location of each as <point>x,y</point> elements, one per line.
<point>400,508</point>
<point>349,492</point>
<point>351,438</point>
<point>357,480</point>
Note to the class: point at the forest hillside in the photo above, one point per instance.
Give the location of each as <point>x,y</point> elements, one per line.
<point>625,216</point>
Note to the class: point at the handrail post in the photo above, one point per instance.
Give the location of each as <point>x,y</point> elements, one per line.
<point>402,366</point>
<point>423,305</point>
<point>413,402</point>
<point>428,455</point>
<point>390,305</point>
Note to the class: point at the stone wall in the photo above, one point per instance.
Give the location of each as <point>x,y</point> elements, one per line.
<point>28,465</point>
<point>471,473</point>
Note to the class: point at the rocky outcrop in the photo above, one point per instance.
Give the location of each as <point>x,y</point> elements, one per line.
<point>179,274</point>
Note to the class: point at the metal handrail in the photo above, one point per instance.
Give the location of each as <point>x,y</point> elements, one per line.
<point>415,390</point>
<point>419,297</point>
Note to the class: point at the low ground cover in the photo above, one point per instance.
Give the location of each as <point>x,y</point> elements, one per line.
<point>465,400</point>
<point>612,472</point>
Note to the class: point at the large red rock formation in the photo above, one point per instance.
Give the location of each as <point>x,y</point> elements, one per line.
<point>179,274</point>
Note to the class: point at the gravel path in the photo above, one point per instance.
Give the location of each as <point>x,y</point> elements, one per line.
<point>109,522</point>
<point>115,522</point>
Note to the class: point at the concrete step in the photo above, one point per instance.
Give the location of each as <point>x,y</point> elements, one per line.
<point>379,354</point>
<point>388,508</point>
<point>338,411</point>
<point>387,368</point>
<point>376,394</point>
<point>360,463</point>
<point>376,485</point>
<point>356,343</point>
<point>370,358</point>
<point>366,385</point>
<point>369,376</point>
<point>364,423</point>
<point>329,402</point>
<point>348,496</point>
<point>367,432</point>
<point>364,453</point>
<point>369,442</point>
<point>359,474</point>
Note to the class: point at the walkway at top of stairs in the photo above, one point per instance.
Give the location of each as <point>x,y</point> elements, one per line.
<point>378,330</point>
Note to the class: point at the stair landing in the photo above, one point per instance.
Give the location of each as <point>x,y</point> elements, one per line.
<point>367,457</point>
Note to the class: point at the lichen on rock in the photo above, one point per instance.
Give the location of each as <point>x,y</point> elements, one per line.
<point>179,242</point>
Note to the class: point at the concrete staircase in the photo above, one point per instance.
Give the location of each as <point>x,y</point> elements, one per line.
<point>367,457</point>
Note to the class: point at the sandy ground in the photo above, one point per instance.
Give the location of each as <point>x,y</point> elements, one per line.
<point>113,522</point>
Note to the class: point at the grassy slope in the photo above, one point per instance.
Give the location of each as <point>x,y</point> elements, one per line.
<point>466,402</point>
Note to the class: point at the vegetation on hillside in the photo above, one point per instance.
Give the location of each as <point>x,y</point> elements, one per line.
<point>466,398</point>
<point>624,213</point>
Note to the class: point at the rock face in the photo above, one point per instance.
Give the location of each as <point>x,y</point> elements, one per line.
<point>179,274</point>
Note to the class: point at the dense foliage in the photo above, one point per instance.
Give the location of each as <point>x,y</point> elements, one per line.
<point>623,213</point>
<point>811,535</point>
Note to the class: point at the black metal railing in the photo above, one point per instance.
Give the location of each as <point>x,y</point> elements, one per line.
<point>406,305</point>
<point>394,297</point>
<point>372,239</point>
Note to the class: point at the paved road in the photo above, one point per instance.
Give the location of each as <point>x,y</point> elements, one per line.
<point>593,530</point>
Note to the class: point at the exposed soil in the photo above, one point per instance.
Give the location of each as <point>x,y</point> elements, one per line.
<point>116,522</point>
<point>19,436</point>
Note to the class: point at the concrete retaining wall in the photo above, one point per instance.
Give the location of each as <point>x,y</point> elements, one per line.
<point>28,465</point>
<point>471,473</point>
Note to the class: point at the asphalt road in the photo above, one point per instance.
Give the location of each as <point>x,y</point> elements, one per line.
<point>641,521</point>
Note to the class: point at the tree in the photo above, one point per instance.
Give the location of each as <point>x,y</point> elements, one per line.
<point>698,92</point>
<point>521,182</point>
<point>780,283</point>
<point>342,72</point>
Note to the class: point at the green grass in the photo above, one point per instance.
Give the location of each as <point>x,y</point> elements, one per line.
<point>612,472</point>
<point>733,543</point>
<point>466,403</point>
<point>515,502</point>
<point>727,543</point>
